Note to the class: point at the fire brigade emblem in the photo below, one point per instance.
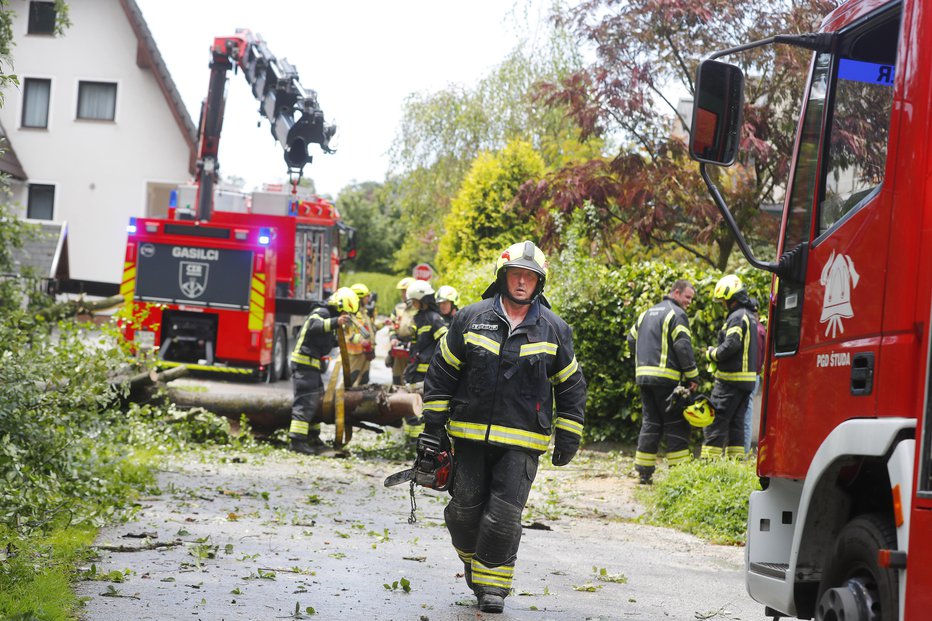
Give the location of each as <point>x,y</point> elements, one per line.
<point>192,278</point>
<point>838,277</point>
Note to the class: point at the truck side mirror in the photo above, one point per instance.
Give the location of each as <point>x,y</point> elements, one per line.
<point>717,113</point>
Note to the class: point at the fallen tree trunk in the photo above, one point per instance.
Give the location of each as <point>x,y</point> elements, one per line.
<point>372,404</point>
<point>80,306</point>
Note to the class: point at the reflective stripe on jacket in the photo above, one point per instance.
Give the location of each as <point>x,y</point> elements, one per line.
<point>429,328</point>
<point>513,388</point>
<point>662,345</point>
<point>316,338</point>
<point>736,354</point>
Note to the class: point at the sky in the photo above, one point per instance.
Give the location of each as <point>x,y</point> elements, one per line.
<point>363,59</point>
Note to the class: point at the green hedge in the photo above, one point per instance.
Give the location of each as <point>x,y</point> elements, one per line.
<point>382,284</point>
<point>602,304</point>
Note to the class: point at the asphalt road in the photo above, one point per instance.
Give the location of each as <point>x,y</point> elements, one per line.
<point>251,536</point>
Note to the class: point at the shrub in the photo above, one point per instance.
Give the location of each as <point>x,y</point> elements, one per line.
<point>602,305</point>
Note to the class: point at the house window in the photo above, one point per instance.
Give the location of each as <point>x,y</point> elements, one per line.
<point>36,94</point>
<point>41,18</point>
<point>97,101</point>
<point>41,201</point>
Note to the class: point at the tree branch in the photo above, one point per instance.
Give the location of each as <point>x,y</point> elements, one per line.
<point>693,251</point>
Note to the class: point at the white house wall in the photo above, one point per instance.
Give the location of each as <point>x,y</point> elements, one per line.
<point>100,169</point>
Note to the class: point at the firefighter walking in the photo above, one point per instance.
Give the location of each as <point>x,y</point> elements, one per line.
<point>662,344</point>
<point>316,340</point>
<point>504,379</point>
<point>734,361</point>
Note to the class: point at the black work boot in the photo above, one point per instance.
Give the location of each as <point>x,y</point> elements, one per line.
<point>645,474</point>
<point>491,602</point>
<point>312,445</point>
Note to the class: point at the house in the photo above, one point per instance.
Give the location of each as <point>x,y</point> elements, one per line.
<point>96,132</point>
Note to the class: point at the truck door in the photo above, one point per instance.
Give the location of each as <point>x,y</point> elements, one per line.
<point>827,330</point>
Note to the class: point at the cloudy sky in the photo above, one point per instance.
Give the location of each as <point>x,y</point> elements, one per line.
<point>363,58</point>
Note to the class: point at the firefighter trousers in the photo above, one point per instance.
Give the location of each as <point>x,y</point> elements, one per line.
<point>490,488</point>
<point>656,423</point>
<point>725,436</point>
<point>308,389</point>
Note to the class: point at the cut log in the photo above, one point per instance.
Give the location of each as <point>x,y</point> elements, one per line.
<point>370,404</point>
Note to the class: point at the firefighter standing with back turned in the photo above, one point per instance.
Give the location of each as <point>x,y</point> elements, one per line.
<point>316,340</point>
<point>503,380</point>
<point>735,370</point>
<point>662,344</point>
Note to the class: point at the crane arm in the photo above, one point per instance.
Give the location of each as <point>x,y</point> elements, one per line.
<point>295,117</point>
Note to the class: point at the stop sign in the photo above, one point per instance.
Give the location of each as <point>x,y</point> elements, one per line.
<point>423,271</point>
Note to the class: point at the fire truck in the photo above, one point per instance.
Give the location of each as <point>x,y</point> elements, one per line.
<point>845,511</point>
<point>225,290</point>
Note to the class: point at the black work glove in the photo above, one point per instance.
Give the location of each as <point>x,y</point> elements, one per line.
<point>561,458</point>
<point>434,437</point>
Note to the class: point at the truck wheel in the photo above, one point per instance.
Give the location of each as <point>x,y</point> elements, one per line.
<point>279,358</point>
<point>854,586</point>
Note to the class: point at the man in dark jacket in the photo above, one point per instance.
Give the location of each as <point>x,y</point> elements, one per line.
<point>429,328</point>
<point>662,344</point>
<point>503,380</point>
<point>735,363</point>
<point>316,340</point>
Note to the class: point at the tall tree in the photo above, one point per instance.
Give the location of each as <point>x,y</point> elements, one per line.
<point>645,51</point>
<point>442,133</point>
<point>481,220</point>
<point>372,208</point>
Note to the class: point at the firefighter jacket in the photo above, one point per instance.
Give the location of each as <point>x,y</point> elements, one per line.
<point>429,328</point>
<point>403,323</point>
<point>736,355</point>
<point>662,344</point>
<point>508,387</point>
<point>316,340</point>
<point>361,335</point>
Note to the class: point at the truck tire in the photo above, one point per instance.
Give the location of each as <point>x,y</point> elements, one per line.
<point>278,366</point>
<point>854,587</point>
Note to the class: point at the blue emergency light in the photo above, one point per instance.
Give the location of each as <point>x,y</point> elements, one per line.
<point>265,236</point>
<point>131,227</point>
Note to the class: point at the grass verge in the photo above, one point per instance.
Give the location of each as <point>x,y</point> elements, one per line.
<point>707,498</point>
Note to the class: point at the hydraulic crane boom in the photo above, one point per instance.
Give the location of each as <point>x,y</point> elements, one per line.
<point>281,97</point>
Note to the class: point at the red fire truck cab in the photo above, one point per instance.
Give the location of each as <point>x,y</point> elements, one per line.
<point>226,296</point>
<point>840,528</point>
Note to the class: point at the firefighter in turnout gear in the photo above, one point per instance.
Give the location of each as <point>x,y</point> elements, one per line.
<point>316,340</point>
<point>503,381</point>
<point>448,301</point>
<point>401,332</point>
<point>735,369</point>
<point>361,339</point>
<point>662,344</point>
<point>429,328</point>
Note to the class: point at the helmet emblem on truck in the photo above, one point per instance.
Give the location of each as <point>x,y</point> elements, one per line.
<point>839,278</point>
<point>192,278</point>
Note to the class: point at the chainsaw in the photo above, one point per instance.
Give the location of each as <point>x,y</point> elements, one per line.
<point>433,468</point>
